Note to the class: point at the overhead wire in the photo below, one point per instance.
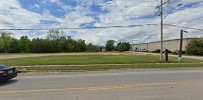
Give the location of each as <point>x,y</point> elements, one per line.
<point>79,28</point>
<point>101,27</point>
<point>173,25</point>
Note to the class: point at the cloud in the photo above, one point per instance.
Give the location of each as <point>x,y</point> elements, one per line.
<point>90,13</point>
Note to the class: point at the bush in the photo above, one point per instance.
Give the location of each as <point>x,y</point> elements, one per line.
<point>195,47</point>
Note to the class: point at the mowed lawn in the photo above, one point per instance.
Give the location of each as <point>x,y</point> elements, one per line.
<point>88,59</point>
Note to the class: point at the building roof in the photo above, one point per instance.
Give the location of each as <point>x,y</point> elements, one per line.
<point>165,41</point>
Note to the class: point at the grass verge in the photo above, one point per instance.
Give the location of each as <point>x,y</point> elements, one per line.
<point>68,63</point>
<point>88,59</point>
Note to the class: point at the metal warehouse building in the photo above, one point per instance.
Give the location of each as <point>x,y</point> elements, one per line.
<point>168,44</point>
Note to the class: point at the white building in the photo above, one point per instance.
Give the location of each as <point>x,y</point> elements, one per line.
<point>168,44</point>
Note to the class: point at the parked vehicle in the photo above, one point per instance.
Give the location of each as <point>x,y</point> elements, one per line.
<point>159,50</point>
<point>177,52</point>
<point>156,51</point>
<point>169,51</point>
<point>139,50</point>
<point>144,50</point>
<point>7,73</point>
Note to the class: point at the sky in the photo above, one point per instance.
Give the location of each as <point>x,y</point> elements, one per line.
<point>88,14</point>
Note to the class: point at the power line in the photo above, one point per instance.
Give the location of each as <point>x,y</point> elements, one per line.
<point>199,29</point>
<point>79,28</point>
<point>103,27</point>
<point>85,1</point>
<point>101,3</point>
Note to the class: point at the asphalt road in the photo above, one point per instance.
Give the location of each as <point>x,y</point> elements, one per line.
<point>110,85</point>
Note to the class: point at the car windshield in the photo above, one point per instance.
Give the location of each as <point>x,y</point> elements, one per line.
<point>2,67</point>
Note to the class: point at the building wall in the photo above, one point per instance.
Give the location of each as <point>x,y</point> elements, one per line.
<point>140,46</point>
<point>169,44</point>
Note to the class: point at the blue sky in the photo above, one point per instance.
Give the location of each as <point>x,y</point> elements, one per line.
<point>100,13</point>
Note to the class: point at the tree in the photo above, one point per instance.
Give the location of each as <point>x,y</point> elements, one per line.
<point>47,46</point>
<point>92,48</point>
<point>110,45</point>
<point>24,44</point>
<point>55,34</point>
<point>76,47</point>
<point>13,46</point>
<point>37,46</point>
<point>56,41</point>
<point>62,44</point>
<point>123,46</point>
<point>82,45</point>
<point>195,47</point>
<point>70,47</point>
<point>5,40</point>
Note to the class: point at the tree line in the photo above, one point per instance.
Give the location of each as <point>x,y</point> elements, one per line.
<point>55,42</point>
<point>195,47</point>
<point>121,46</point>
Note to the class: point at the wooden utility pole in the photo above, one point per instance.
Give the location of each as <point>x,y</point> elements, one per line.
<point>161,41</point>
<point>181,46</point>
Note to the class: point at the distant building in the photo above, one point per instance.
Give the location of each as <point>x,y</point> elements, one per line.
<point>168,44</point>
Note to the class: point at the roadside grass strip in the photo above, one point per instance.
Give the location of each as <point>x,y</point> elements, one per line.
<point>66,63</point>
<point>97,67</point>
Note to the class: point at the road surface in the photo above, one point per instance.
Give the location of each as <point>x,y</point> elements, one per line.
<point>107,85</point>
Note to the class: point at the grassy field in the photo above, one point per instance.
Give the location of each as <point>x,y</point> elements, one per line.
<point>96,62</point>
<point>87,59</point>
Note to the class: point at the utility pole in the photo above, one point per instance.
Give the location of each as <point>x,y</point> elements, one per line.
<point>181,46</point>
<point>162,27</point>
<point>161,41</point>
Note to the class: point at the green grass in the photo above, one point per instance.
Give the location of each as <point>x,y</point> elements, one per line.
<point>87,59</point>
<point>95,62</point>
<point>77,60</point>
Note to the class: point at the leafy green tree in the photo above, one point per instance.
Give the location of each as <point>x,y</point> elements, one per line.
<point>5,41</point>
<point>76,47</point>
<point>110,45</point>
<point>62,45</point>
<point>13,46</point>
<point>81,44</point>
<point>24,44</point>
<point>70,47</point>
<point>47,46</point>
<point>123,46</point>
<point>55,34</point>
<point>195,47</point>
<point>56,41</point>
<point>37,46</point>
<point>92,48</point>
